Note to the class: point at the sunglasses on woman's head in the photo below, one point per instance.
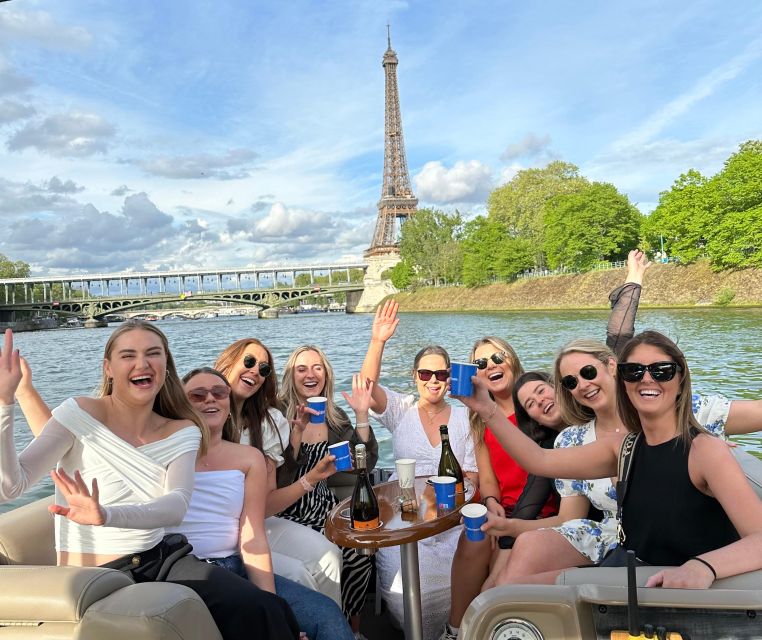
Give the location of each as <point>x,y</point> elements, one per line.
<point>588,372</point>
<point>498,358</point>
<point>264,369</point>
<point>660,371</point>
<point>439,374</point>
<point>219,392</point>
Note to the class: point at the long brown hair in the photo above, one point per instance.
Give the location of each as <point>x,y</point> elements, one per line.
<point>687,425</point>
<point>530,426</point>
<point>230,430</point>
<point>171,401</point>
<point>254,410</point>
<point>572,411</point>
<point>289,398</point>
<point>474,421</point>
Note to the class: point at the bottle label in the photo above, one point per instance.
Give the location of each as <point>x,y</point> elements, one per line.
<point>370,524</point>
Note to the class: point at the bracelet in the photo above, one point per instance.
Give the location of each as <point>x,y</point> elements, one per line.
<point>491,414</point>
<point>485,498</point>
<point>706,564</point>
<point>306,484</point>
<point>364,425</point>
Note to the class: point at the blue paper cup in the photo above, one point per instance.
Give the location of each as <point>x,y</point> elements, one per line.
<point>318,404</point>
<point>444,488</point>
<point>343,459</point>
<point>474,516</point>
<point>460,378</point>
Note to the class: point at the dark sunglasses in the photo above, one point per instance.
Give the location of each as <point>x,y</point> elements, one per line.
<point>439,374</point>
<point>588,372</point>
<point>660,371</point>
<point>219,392</point>
<point>264,369</point>
<point>498,358</point>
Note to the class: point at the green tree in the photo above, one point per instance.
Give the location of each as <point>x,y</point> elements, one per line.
<point>13,269</point>
<point>401,274</point>
<point>683,218</point>
<point>430,243</point>
<point>520,203</point>
<point>489,252</point>
<point>597,223</point>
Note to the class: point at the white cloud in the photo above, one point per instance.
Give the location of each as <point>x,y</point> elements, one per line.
<point>201,166</point>
<point>73,134</point>
<point>465,182</point>
<point>530,147</point>
<point>10,110</point>
<point>10,81</point>
<point>282,222</point>
<point>40,27</point>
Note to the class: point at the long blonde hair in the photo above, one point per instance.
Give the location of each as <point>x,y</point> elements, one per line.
<point>474,421</point>
<point>171,401</point>
<point>290,400</point>
<point>572,411</point>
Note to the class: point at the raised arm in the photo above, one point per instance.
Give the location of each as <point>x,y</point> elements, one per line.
<point>36,412</point>
<point>624,302</point>
<point>384,325</point>
<point>595,460</point>
<point>255,551</point>
<point>712,466</point>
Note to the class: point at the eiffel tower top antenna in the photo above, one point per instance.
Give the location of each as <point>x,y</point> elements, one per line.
<point>397,198</point>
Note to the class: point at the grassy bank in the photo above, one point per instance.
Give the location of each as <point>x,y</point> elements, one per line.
<point>667,285</point>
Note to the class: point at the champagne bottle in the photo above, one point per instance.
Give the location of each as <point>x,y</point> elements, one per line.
<point>448,463</point>
<point>364,513</point>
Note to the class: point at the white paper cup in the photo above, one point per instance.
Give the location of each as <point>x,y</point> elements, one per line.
<point>405,472</point>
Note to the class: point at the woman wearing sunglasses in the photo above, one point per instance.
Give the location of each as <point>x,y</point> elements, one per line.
<point>298,552</point>
<point>308,374</point>
<point>225,522</point>
<point>414,425</point>
<point>506,488</point>
<point>142,434</point>
<point>688,503</point>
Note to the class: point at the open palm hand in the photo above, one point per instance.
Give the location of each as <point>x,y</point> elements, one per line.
<point>83,506</point>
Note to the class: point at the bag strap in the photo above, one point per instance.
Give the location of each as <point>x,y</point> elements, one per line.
<point>626,454</point>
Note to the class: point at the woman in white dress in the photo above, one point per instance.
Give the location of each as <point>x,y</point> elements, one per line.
<point>414,425</point>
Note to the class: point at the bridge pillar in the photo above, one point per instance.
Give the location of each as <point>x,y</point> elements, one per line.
<point>376,288</point>
<point>95,323</point>
<point>268,314</point>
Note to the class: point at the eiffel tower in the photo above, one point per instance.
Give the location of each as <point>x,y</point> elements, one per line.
<point>397,197</point>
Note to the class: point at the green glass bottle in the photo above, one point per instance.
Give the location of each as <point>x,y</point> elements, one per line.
<point>364,513</point>
<point>448,463</point>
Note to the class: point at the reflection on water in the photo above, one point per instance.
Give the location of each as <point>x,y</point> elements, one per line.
<point>722,347</point>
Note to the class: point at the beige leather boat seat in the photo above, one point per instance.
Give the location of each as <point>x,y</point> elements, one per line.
<point>40,600</point>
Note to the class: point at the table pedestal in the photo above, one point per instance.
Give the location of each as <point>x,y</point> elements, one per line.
<point>411,591</point>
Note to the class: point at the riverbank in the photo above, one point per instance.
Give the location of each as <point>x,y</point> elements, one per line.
<point>666,286</point>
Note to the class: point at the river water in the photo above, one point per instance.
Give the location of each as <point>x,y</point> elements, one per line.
<point>723,347</point>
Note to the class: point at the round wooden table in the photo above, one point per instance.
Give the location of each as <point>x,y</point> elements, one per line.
<point>401,528</point>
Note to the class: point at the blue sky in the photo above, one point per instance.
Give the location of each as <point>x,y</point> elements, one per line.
<point>157,134</point>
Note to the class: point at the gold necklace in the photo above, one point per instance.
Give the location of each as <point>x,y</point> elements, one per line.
<point>432,414</point>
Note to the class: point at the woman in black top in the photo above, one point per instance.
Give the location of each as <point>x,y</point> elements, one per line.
<point>708,520</point>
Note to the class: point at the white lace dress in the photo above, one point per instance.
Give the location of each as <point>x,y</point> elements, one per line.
<point>435,554</point>
<point>594,539</point>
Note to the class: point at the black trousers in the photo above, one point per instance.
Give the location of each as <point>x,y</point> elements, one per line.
<point>240,609</point>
